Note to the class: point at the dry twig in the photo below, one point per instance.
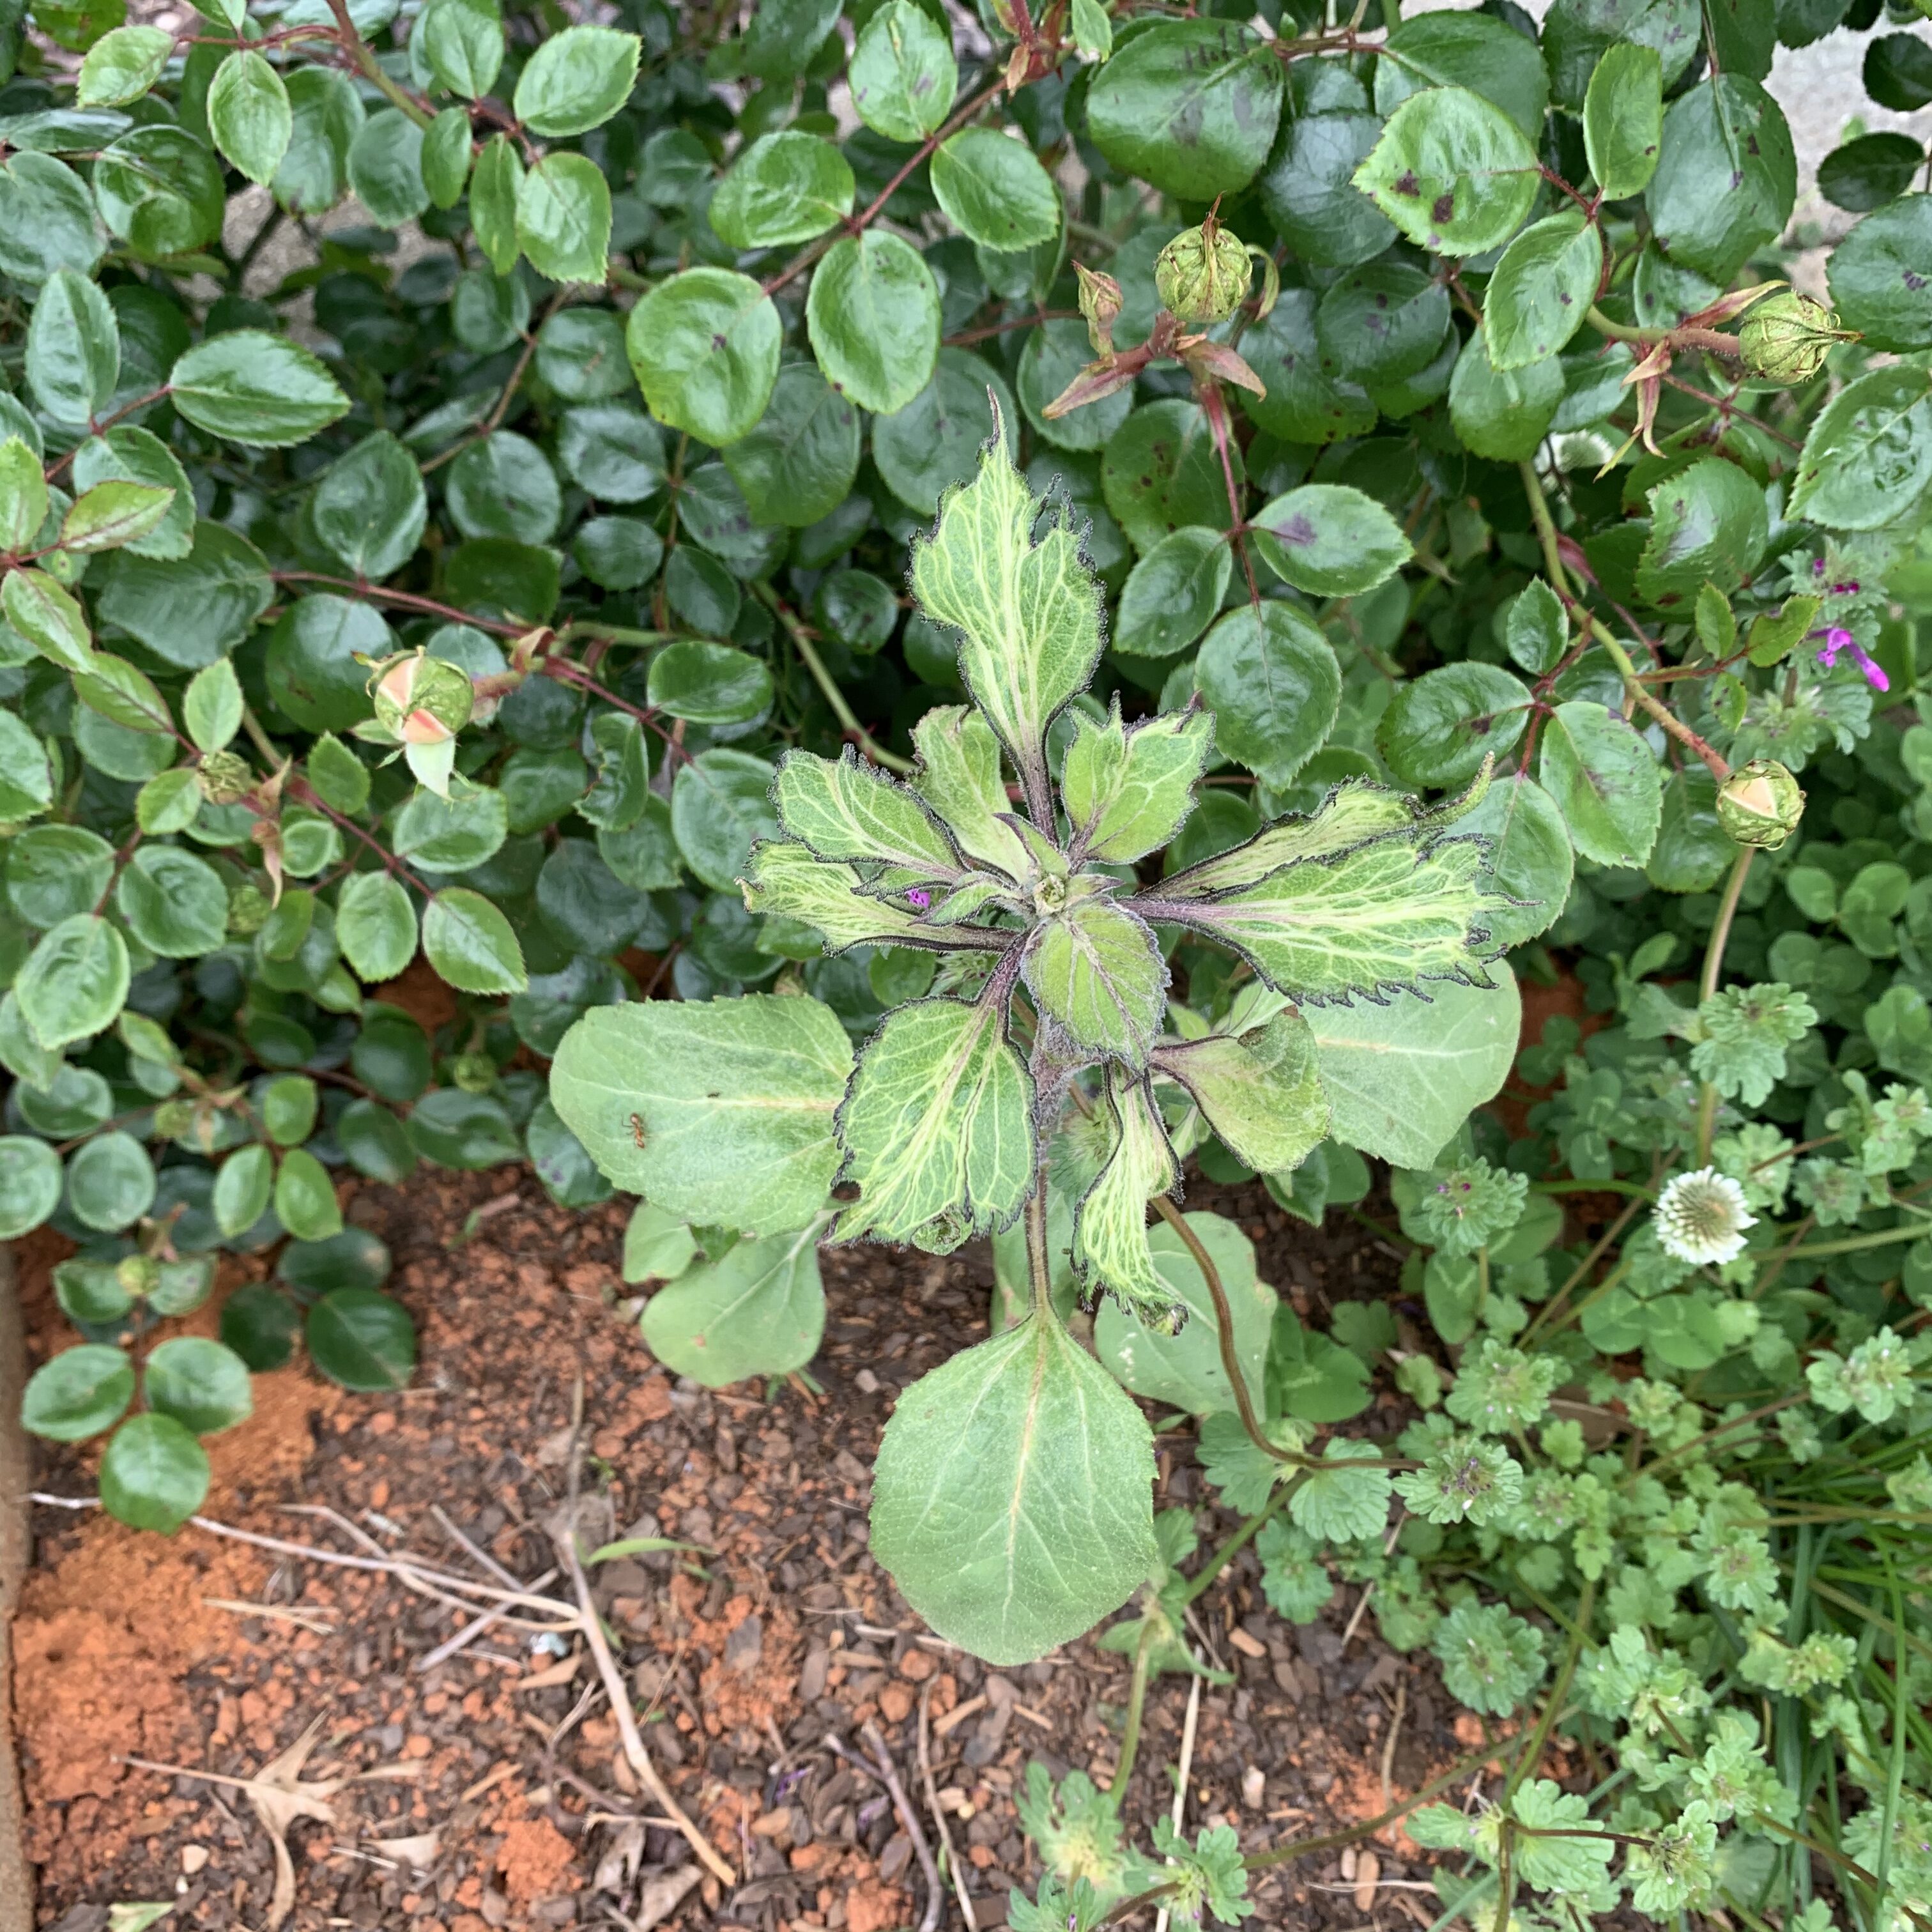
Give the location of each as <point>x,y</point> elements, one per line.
<point>932,1804</point>
<point>935,1892</point>
<point>563,1533</point>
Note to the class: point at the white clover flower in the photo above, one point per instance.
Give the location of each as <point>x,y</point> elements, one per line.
<point>1701,1218</point>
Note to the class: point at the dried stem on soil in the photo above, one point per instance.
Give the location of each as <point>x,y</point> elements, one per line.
<point>935,1893</point>
<point>938,1816</point>
<point>563,1533</point>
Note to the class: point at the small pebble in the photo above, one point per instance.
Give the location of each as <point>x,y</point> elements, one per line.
<point>1253,1787</point>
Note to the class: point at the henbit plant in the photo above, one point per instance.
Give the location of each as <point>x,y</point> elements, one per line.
<point>1012,1499</point>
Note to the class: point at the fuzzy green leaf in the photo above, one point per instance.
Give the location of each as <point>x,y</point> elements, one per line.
<point>937,1128</point>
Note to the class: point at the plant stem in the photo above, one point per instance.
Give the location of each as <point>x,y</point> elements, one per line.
<point>1039,1265</point>
<point>1715,340</point>
<point>1533,1752</point>
<point>1130,1732</point>
<point>1640,693</point>
<point>364,56</point>
<point>1224,1325</point>
<point>1234,1545</point>
<point>1855,1243</point>
<point>1713,963</point>
<point>802,640</point>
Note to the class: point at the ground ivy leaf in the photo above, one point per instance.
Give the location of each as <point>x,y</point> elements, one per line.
<point>1028,614</point>
<point>1341,1505</point>
<point>1013,1498</point>
<point>720,1112</point>
<point>938,1127</point>
<point>1260,1091</point>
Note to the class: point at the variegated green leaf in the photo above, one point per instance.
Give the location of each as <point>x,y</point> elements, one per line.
<point>959,778</point>
<point>1351,815</point>
<point>844,810</point>
<point>938,1128</point>
<point>1028,614</point>
<point>1384,915</point>
<point>1127,792</point>
<point>1012,1498</point>
<point>783,877</point>
<point>720,1112</point>
<point>1096,969</point>
<point>1110,1234</point>
<point>1261,1092</point>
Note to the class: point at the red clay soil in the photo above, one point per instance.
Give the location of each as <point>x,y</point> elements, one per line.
<point>506,1799</point>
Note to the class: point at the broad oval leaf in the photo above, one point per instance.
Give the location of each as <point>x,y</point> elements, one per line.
<point>1012,1497</point>
<point>873,315</point>
<point>1329,540</point>
<point>1190,105</point>
<point>705,347</point>
<point>758,1311</point>
<point>721,1113</point>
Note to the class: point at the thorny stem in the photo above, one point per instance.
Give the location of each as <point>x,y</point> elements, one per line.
<point>1713,963</point>
<point>857,224</point>
<point>847,717</point>
<point>1640,693</point>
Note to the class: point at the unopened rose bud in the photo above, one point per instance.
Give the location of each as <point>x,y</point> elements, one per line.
<point>1202,274</point>
<point>138,1275</point>
<point>1760,804</point>
<point>474,1072</point>
<point>248,910</point>
<point>422,699</point>
<point>225,777</point>
<point>1787,338</point>
<point>1100,304</point>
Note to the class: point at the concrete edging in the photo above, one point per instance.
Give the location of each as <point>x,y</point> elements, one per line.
<point>16,1875</point>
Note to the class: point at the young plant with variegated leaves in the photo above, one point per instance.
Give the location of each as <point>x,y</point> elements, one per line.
<point>1012,1499</point>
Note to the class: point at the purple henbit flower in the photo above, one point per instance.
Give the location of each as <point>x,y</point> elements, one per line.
<point>920,899</point>
<point>1837,639</point>
<point>1817,566</point>
<point>1849,588</point>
